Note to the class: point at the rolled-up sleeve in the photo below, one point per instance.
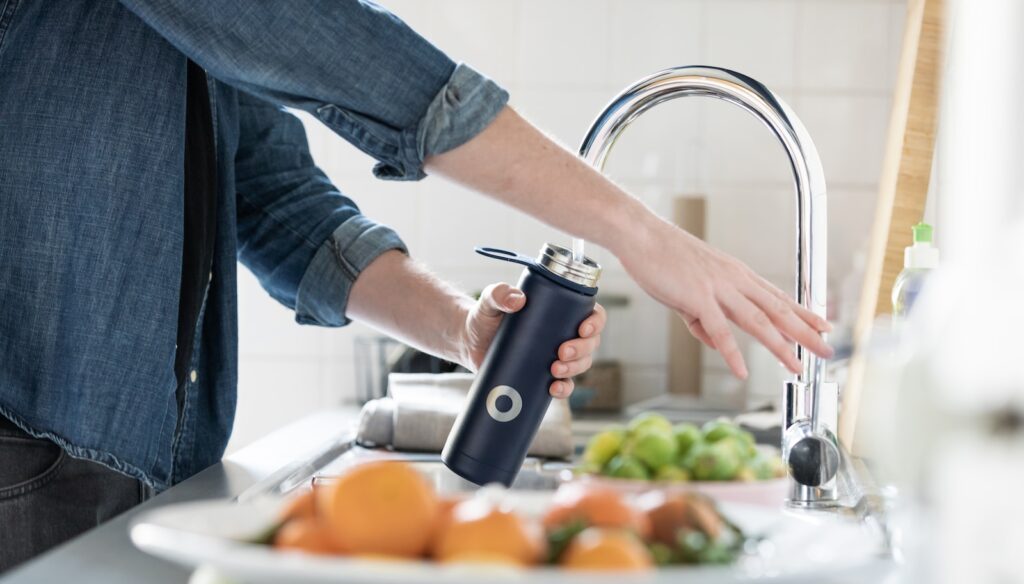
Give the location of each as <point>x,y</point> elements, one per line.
<point>325,286</point>
<point>352,64</point>
<point>305,241</point>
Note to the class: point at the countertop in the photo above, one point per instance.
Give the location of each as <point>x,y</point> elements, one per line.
<point>106,555</point>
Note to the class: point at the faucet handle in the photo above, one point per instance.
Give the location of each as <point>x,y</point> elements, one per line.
<point>813,460</point>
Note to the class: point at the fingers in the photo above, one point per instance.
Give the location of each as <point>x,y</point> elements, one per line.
<point>562,388</point>
<point>498,299</point>
<point>577,348</point>
<point>563,370</point>
<point>808,316</point>
<point>717,328</point>
<point>790,325</point>
<point>749,317</point>
<point>594,324</point>
<point>696,329</point>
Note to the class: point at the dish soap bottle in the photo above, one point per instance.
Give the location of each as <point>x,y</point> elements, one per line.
<point>918,260</point>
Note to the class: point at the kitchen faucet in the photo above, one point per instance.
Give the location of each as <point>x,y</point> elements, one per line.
<point>810,448</point>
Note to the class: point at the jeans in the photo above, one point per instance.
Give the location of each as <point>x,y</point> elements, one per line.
<point>48,497</point>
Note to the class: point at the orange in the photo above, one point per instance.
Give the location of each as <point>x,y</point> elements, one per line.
<point>597,548</point>
<point>380,507</point>
<point>597,506</point>
<point>308,535</point>
<point>478,531</point>
<point>299,507</point>
<point>445,506</point>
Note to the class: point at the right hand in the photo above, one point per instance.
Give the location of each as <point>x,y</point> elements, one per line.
<point>708,288</point>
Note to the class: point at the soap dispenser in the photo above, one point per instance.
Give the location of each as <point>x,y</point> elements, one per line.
<point>918,260</point>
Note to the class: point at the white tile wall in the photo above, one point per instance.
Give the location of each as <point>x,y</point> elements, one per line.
<point>757,37</point>
<point>852,57</point>
<point>833,61</point>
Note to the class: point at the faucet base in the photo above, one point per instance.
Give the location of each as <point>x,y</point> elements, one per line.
<point>804,497</point>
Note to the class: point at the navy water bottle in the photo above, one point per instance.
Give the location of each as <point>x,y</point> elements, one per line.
<point>509,397</point>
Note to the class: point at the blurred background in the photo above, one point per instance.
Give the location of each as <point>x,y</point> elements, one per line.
<point>833,61</point>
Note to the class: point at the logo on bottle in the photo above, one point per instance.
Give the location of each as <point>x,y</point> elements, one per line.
<point>513,405</point>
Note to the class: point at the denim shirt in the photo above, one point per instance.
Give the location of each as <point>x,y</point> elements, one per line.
<point>92,104</point>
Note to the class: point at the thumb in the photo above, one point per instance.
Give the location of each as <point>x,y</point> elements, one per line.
<point>501,298</point>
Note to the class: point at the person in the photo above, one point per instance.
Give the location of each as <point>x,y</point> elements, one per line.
<point>145,150</point>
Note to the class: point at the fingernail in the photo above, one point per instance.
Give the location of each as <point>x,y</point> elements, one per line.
<point>569,353</point>
<point>825,326</point>
<point>559,390</point>
<point>513,299</point>
<point>560,369</point>
<point>587,330</point>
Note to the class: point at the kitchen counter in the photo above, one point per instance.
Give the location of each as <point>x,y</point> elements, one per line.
<point>106,555</point>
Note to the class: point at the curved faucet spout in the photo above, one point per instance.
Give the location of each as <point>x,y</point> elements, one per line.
<point>809,444</point>
<point>757,99</point>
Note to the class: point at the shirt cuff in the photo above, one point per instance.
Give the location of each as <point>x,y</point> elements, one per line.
<point>325,287</point>
<point>467,104</point>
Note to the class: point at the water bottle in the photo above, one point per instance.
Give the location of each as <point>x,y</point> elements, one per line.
<point>509,396</point>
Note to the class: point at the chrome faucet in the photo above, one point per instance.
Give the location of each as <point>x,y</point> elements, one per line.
<point>810,411</point>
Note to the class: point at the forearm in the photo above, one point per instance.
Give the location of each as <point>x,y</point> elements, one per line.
<point>397,296</point>
<point>514,162</point>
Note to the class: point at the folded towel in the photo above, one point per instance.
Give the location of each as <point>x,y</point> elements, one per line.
<point>421,408</point>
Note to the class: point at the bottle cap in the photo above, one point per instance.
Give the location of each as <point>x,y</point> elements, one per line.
<point>921,255</point>
<point>559,261</point>
<point>922,233</point>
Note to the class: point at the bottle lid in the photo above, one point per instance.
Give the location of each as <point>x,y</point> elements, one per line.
<point>922,233</point>
<point>559,261</point>
<point>921,255</point>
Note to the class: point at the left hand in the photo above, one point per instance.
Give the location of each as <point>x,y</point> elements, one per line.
<point>574,356</point>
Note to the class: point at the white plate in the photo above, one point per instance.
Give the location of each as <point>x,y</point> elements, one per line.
<point>770,493</point>
<point>799,547</point>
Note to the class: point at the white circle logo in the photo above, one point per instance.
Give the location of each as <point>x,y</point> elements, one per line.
<point>513,410</point>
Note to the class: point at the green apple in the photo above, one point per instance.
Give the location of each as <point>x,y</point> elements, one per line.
<point>603,446</point>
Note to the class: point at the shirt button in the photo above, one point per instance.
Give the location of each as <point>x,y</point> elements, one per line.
<point>193,376</point>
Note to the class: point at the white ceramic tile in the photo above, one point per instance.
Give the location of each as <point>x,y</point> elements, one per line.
<point>636,334</point>
<point>653,35</point>
<point>396,204</point>
<point>851,217</point>
<point>739,150</point>
<point>643,381</point>
<point>663,147</point>
<point>897,20</point>
<point>338,382</point>
<point>757,226</point>
<point>754,37</point>
<point>336,157</point>
<point>456,220</point>
<point>844,45</point>
<point>721,386</point>
<point>416,13</point>
<point>482,33</point>
<point>273,393</point>
<point>563,43</point>
<point>530,234</point>
<point>849,132</point>
<point>340,342</point>
<point>266,327</point>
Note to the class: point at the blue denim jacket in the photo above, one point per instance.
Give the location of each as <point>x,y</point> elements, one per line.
<point>92,103</point>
